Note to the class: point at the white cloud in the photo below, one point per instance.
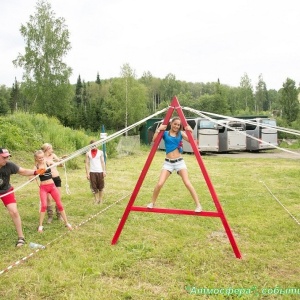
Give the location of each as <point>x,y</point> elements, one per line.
<point>196,40</point>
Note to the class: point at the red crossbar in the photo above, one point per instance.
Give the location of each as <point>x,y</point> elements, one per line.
<point>175,211</point>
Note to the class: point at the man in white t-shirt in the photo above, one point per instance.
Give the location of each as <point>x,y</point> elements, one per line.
<point>95,172</point>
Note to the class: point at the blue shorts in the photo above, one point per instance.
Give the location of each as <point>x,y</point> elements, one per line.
<point>174,166</point>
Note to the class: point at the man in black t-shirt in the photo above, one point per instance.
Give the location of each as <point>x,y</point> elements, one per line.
<point>7,191</point>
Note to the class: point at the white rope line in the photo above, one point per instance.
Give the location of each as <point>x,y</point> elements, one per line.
<point>63,234</point>
<point>87,148</point>
<point>19,187</point>
<point>106,139</point>
<point>60,236</point>
<point>246,121</point>
<point>111,137</point>
<point>105,209</point>
<point>219,122</point>
<point>280,203</point>
<point>282,129</point>
<point>73,155</point>
<point>116,134</point>
<point>66,178</point>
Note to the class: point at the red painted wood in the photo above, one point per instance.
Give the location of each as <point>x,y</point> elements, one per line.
<point>209,183</point>
<point>175,211</point>
<point>141,178</point>
<point>220,213</point>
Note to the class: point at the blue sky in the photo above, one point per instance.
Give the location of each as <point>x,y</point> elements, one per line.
<point>196,40</point>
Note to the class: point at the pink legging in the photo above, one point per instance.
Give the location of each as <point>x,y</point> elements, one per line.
<point>51,189</point>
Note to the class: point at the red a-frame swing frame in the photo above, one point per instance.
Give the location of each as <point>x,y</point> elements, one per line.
<point>219,213</point>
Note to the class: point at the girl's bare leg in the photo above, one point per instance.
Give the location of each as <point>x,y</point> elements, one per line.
<point>64,217</point>
<point>14,214</point>
<point>42,216</point>
<point>164,175</point>
<point>185,178</point>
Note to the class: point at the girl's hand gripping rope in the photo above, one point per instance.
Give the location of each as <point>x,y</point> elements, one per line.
<point>39,172</point>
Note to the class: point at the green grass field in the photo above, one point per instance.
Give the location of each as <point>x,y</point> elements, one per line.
<point>161,256</point>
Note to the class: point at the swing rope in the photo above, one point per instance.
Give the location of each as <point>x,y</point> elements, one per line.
<point>68,192</point>
<point>88,147</point>
<point>280,203</point>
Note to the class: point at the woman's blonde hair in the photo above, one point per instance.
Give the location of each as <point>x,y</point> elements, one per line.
<point>46,147</point>
<point>37,152</point>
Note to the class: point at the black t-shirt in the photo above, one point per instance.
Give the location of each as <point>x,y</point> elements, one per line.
<point>5,172</point>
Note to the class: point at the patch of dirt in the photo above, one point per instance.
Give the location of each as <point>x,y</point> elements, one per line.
<point>220,235</point>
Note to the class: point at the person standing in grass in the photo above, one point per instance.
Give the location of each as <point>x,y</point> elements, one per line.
<point>7,196</point>
<point>51,158</point>
<point>47,186</point>
<point>95,172</point>
<point>174,161</point>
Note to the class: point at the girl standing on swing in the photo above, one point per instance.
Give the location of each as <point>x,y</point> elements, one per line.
<point>174,161</point>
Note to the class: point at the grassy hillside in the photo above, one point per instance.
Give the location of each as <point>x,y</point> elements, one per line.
<point>22,131</point>
<point>160,256</point>
<point>27,132</point>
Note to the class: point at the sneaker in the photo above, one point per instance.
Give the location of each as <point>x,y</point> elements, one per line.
<point>50,219</point>
<point>150,205</point>
<point>20,242</point>
<point>40,229</point>
<point>198,208</point>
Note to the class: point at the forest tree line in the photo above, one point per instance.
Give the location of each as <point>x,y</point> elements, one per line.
<point>119,102</point>
<point>122,101</point>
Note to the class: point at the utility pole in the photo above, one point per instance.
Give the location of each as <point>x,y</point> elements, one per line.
<point>126,104</point>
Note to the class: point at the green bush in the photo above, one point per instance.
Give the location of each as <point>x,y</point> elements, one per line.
<point>27,132</point>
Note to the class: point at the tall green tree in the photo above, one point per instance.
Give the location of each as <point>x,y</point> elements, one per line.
<point>246,93</point>
<point>129,76</point>
<point>233,99</point>
<point>46,75</point>
<point>14,97</point>
<point>289,100</point>
<point>261,96</point>
<point>273,97</point>
<point>78,92</point>
<point>152,84</point>
<point>4,107</point>
<point>126,102</point>
<point>4,100</point>
<point>98,81</point>
<point>220,99</point>
<point>169,87</point>
<point>85,96</point>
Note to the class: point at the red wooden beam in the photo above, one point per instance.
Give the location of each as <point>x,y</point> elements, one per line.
<point>175,106</point>
<point>208,182</point>
<point>141,178</point>
<point>175,211</point>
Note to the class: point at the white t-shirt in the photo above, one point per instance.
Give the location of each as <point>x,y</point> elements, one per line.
<point>95,162</point>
